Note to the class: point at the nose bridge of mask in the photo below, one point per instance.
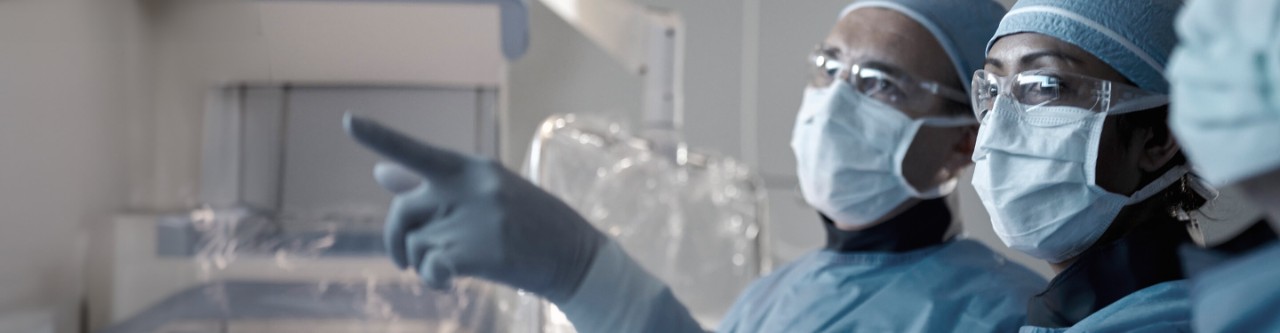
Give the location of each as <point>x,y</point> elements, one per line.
<point>816,94</point>
<point>849,148</point>
<point>873,122</point>
<point>891,129</point>
<point>1058,133</point>
<point>844,143</point>
<point>881,113</point>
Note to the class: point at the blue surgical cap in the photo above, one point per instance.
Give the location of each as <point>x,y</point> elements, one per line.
<point>961,26</point>
<point>1226,88</point>
<point>1134,37</point>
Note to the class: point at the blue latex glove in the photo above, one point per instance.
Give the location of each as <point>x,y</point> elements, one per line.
<point>473,217</point>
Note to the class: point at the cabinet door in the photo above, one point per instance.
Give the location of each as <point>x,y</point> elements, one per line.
<point>287,151</point>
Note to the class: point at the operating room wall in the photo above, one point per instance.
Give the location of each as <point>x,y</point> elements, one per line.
<point>62,155</point>
<point>744,74</point>
<point>102,102</point>
<point>199,46</point>
<point>185,52</point>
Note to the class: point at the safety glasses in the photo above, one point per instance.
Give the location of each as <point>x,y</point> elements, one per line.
<point>882,83</point>
<point>1040,88</point>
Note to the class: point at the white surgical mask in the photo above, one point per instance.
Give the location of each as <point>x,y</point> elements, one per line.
<point>849,150</point>
<point>1035,173</point>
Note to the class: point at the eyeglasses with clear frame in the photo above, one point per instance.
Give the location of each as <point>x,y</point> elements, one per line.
<point>899,90</point>
<point>1048,87</point>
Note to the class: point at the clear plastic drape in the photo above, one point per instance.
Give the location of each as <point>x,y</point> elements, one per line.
<point>692,219</point>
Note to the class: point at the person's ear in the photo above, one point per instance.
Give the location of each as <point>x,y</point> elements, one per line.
<point>1157,150</point>
<point>961,153</point>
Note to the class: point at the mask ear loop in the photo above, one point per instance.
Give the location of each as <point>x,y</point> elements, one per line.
<point>942,189</point>
<point>1180,213</point>
<point>1182,209</point>
<point>1139,104</point>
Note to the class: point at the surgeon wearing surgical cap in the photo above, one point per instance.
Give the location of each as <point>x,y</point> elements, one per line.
<point>883,131</point>
<point>1226,115</point>
<point>1076,165</point>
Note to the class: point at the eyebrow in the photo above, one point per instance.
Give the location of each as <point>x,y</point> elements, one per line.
<point>1030,58</point>
<point>883,67</point>
<point>993,62</point>
<point>840,55</point>
<point>830,50</point>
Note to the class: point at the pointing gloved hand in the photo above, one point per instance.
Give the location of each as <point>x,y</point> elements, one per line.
<point>472,217</point>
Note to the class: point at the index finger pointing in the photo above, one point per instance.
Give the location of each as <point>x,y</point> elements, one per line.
<point>426,160</point>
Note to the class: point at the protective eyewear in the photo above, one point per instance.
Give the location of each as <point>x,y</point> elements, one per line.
<point>1040,88</point>
<point>886,85</point>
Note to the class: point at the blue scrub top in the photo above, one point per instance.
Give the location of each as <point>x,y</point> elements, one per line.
<point>1243,296</point>
<point>1134,282</point>
<point>957,286</point>
<point>1160,308</point>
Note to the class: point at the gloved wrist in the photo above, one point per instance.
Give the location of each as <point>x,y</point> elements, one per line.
<point>617,294</point>
<point>577,250</point>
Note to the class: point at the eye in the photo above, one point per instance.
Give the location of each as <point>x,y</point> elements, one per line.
<point>1039,89</point>
<point>988,89</point>
<point>827,65</point>
<point>984,87</point>
<point>984,92</point>
<point>879,85</point>
<point>832,68</point>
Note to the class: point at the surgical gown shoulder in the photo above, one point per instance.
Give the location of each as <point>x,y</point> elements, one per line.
<point>960,286</point>
<point>1243,296</point>
<point>1164,307</point>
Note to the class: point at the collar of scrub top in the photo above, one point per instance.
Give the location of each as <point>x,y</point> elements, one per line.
<point>1145,256</point>
<point>1198,260</point>
<point>926,224</point>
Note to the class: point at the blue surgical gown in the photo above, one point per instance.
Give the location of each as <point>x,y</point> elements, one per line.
<point>957,286</point>
<point>1131,284</point>
<point>1163,307</point>
<point>1243,296</point>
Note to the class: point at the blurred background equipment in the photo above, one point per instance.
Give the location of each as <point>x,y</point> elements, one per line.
<point>122,114</point>
<point>691,218</point>
<point>265,217</point>
<point>283,232</point>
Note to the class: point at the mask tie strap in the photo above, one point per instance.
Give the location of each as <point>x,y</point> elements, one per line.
<point>948,121</point>
<point>1169,177</point>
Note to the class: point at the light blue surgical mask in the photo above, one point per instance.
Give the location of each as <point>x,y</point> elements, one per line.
<point>849,150</point>
<point>1035,171</point>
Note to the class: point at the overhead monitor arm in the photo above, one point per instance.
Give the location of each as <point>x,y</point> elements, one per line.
<point>514,16</point>
<point>649,42</point>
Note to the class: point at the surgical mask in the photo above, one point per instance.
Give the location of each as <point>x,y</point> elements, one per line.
<point>849,150</point>
<point>1035,171</point>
